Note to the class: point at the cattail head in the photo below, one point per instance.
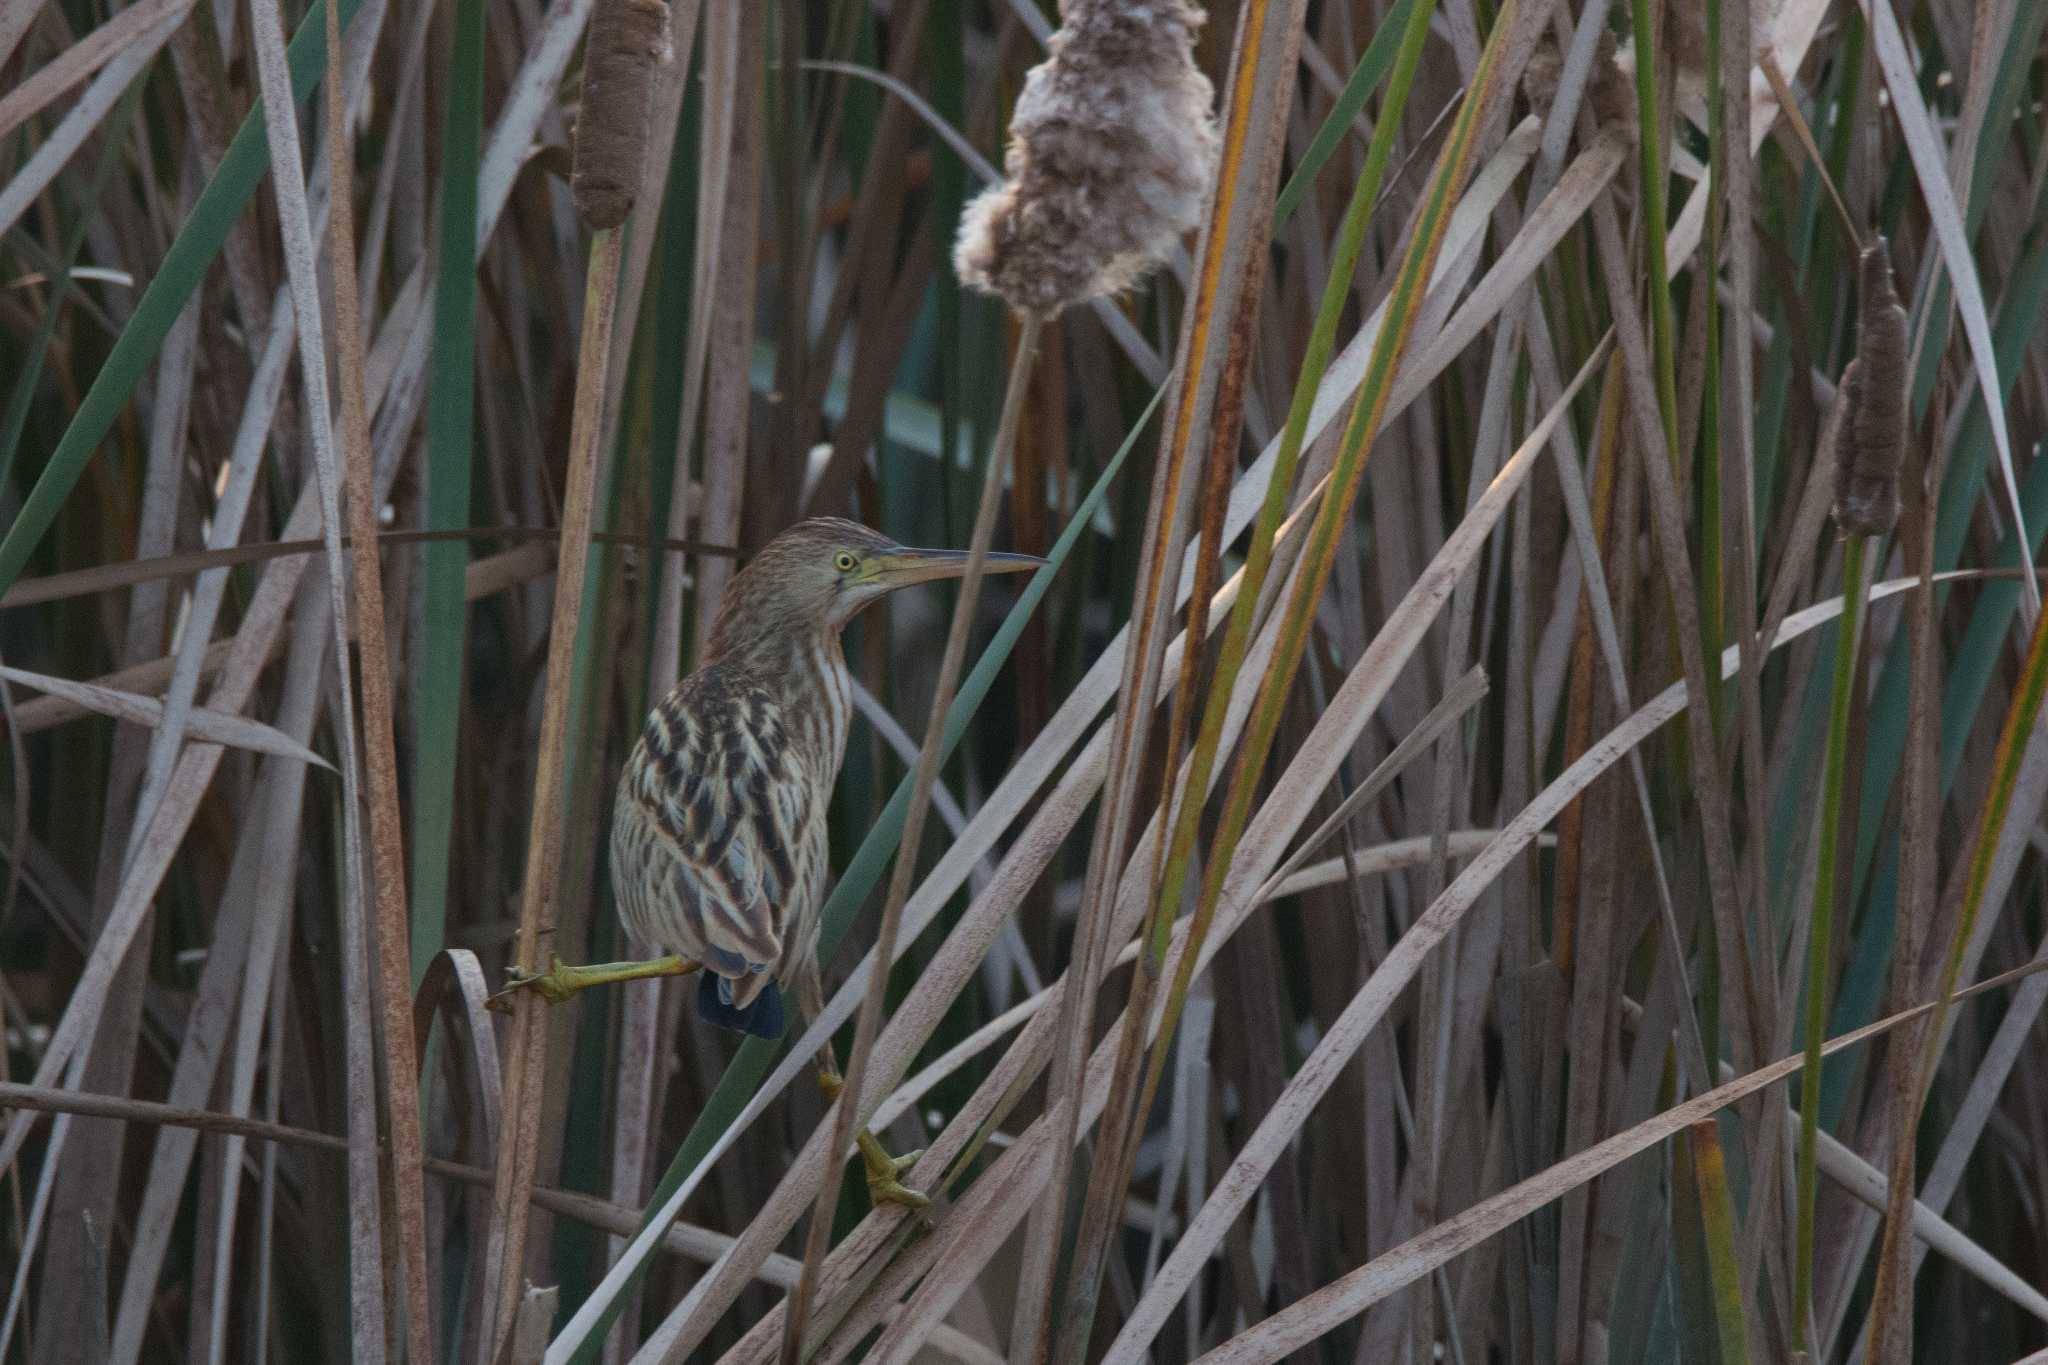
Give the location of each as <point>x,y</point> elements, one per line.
<point>627,39</point>
<point>1867,480</point>
<point>1112,147</point>
<point>1609,92</point>
<point>1684,38</point>
<point>1541,73</point>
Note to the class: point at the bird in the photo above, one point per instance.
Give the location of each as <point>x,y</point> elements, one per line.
<point>719,854</point>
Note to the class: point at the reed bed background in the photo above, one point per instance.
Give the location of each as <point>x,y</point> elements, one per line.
<point>1605,921</point>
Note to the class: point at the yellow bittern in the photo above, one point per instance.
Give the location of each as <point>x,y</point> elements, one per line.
<point>718,838</point>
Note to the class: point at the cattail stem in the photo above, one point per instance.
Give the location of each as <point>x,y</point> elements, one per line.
<point>393,944</point>
<point>1820,933</point>
<point>1866,507</point>
<point>525,1067</point>
<point>2020,719</point>
<point>847,1107</point>
<point>627,37</point>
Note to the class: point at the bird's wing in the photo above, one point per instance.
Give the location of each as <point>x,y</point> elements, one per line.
<point>723,791</point>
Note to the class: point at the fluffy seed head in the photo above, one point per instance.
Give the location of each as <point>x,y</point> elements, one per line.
<point>1112,147</point>
<point>1610,91</point>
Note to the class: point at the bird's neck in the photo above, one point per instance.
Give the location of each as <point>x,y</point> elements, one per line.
<point>829,688</point>
<point>809,669</point>
<point>773,654</point>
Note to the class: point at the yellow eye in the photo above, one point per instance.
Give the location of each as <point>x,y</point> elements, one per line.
<point>845,561</point>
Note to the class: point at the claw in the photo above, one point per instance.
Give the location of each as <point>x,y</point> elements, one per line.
<point>884,1171</point>
<point>551,984</point>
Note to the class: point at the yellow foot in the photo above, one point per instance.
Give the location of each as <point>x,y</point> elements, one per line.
<point>884,1171</point>
<point>561,980</point>
<point>555,985</point>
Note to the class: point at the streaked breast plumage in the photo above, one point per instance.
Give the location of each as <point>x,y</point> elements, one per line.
<point>718,842</point>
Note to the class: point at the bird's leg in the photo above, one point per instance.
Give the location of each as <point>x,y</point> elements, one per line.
<point>562,980</point>
<point>884,1172</point>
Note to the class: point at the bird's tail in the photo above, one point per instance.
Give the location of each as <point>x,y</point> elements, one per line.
<point>761,1016</point>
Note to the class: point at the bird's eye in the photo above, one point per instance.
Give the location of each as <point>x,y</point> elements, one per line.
<point>845,561</point>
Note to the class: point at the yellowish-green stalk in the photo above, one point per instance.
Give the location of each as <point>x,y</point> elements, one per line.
<point>1315,362</point>
<point>868,1023</point>
<point>2020,719</point>
<point>1717,1220</point>
<point>1320,552</point>
<point>2005,774</point>
<point>1121,1123</point>
<point>1820,933</point>
<point>1651,154</point>
<point>1713,567</point>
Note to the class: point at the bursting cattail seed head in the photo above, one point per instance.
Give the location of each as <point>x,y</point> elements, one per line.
<point>1541,73</point>
<point>627,39</point>
<point>1612,91</point>
<point>1609,91</point>
<point>1112,148</point>
<point>1867,480</point>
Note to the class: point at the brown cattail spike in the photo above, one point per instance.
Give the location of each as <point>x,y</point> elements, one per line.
<point>627,38</point>
<point>1112,148</point>
<point>1867,481</point>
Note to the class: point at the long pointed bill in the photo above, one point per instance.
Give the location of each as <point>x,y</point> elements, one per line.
<point>901,567</point>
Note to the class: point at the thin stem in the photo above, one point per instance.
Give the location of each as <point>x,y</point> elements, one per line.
<point>1367,412</point>
<point>847,1106</point>
<point>2019,724</point>
<point>394,978</point>
<point>1820,935</point>
<point>1319,553</point>
<point>1650,145</point>
<point>519,1144</point>
<point>1713,563</point>
<point>1717,1223</point>
<point>1123,1121</point>
<point>1214,353</point>
<point>450,438</point>
<point>586,1209</point>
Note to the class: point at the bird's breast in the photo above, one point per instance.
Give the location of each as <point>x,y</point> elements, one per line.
<point>826,721</point>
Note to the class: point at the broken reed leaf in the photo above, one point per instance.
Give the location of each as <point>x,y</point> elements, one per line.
<point>203,723</point>
<point>628,38</point>
<point>1112,149</point>
<point>1867,481</point>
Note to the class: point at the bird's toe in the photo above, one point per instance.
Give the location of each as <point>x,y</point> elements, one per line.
<point>885,1172</point>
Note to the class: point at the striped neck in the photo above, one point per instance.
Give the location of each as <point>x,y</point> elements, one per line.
<point>806,670</point>
<point>830,687</point>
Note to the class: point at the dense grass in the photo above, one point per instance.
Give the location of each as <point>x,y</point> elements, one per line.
<point>1491,1003</point>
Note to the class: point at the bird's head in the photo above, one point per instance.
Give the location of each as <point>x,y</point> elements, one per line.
<point>819,573</point>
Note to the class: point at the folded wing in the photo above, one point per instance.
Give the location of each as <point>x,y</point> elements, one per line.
<point>704,833</point>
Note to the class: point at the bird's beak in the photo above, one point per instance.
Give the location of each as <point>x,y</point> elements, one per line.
<point>901,567</point>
